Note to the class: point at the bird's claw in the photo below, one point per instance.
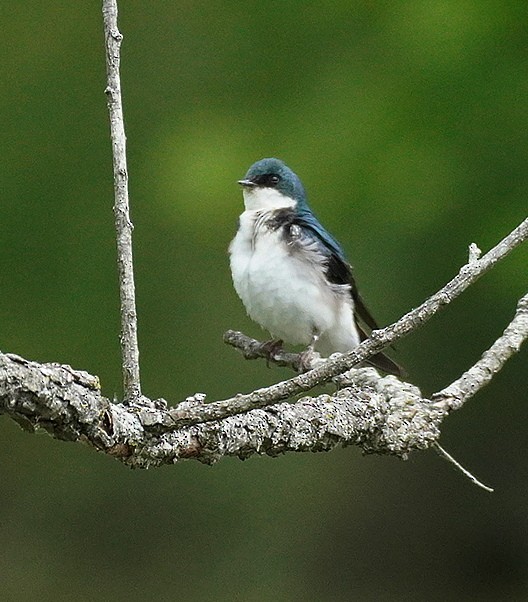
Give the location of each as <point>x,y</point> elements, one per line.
<point>306,359</point>
<point>270,349</point>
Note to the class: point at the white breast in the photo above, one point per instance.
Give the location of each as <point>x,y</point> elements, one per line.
<point>286,294</point>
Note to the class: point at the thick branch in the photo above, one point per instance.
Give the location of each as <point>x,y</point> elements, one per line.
<point>123,225</point>
<point>381,415</point>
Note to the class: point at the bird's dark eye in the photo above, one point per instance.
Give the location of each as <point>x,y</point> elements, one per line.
<point>274,180</point>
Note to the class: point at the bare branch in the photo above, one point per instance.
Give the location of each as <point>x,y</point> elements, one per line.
<point>453,396</point>
<point>381,415</point>
<point>379,340</point>
<point>444,454</point>
<point>123,225</point>
<point>252,349</point>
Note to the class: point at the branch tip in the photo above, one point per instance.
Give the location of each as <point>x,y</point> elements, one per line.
<point>444,454</point>
<point>474,253</point>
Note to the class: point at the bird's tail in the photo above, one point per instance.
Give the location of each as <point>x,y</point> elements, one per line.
<point>381,360</point>
<point>385,363</point>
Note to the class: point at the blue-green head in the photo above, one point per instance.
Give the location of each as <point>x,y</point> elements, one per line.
<point>269,180</point>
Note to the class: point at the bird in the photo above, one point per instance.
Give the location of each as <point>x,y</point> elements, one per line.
<point>291,273</point>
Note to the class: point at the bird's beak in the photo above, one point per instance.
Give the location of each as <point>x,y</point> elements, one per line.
<point>247,183</point>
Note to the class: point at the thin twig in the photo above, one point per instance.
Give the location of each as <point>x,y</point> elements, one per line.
<point>123,225</point>
<point>252,349</point>
<point>444,454</point>
<point>379,340</point>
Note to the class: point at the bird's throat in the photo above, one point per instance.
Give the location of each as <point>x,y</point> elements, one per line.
<point>256,199</point>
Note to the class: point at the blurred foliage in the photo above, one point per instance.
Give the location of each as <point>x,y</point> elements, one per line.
<point>407,121</point>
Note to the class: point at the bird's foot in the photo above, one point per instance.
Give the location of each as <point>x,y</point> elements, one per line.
<point>308,356</point>
<point>270,349</point>
<point>307,359</point>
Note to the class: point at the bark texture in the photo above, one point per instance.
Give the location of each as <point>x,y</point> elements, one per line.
<point>381,415</point>
<point>123,224</point>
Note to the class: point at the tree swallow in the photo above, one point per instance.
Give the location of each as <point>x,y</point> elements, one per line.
<point>290,273</point>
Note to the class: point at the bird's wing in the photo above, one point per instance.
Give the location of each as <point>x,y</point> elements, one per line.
<point>339,271</point>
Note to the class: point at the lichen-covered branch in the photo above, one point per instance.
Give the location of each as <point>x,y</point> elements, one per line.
<point>381,415</point>
<point>123,224</point>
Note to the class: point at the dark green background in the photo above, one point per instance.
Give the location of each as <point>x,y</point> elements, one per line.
<point>407,122</point>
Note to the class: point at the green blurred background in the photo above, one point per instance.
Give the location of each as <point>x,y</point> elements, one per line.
<point>407,122</point>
